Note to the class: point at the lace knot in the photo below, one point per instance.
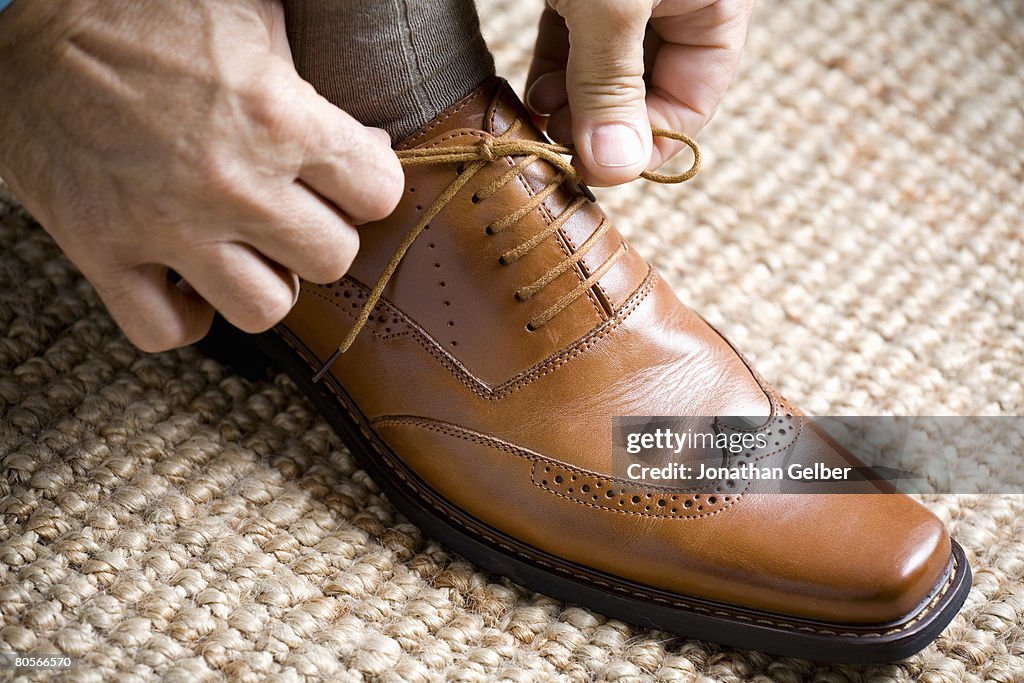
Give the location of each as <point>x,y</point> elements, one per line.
<point>486,148</point>
<point>490,148</point>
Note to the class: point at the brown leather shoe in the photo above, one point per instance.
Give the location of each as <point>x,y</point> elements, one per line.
<point>480,392</point>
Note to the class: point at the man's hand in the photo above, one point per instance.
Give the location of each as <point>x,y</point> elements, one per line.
<point>604,71</point>
<point>147,134</point>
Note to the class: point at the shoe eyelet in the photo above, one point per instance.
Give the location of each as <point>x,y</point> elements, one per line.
<point>530,327</point>
<point>490,230</point>
<point>475,199</point>
<point>502,261</point>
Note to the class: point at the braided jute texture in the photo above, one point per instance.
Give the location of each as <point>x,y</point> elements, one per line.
<point>857,230</point>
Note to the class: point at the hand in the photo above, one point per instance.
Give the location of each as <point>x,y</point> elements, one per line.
<point>149,134</point>
<point>605,71</point>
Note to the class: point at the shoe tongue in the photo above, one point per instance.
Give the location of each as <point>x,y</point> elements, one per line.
<point>493,107</point>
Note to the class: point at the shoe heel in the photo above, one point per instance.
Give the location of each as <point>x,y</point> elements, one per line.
<point>235,349</point>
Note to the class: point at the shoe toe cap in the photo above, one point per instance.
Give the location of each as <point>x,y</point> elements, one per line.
<point>869,559</point>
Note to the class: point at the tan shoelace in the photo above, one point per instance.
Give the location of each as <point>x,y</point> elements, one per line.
<point>474,157</point>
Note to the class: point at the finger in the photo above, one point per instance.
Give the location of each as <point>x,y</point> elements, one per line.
<point>155,315</point>
<point>548,93</point>
<point>686,88</point>
<point>307,235</point>
<point>252,292</point>
<point>697,57</point>
<point>350,165</point>
<point>604,78</point>
<point>551,52</point>
<point>559,125</point>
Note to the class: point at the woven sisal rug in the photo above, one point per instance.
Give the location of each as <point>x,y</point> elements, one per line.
<point>857,230</point>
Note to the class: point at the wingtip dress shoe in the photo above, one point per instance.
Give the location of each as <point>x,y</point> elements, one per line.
<point>495,323</point>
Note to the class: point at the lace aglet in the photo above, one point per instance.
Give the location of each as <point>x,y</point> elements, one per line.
<point>587,192</point>
<point>327,366</point>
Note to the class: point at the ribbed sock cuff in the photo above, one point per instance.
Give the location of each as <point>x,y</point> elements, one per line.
<point>395,64</point>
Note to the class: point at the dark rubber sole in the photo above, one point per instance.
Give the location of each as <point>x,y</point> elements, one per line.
<point>642,605</point>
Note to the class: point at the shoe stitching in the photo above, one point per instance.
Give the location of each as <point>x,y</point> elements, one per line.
<point>938,595</point>
<point>548,216</point>
<point>624,486</point>
<point>409,142</point>
<point>921,614</point>
<point>678,603</point>
<point>489,149</point>
<point>544,367</point>
<point>769,391</point>
<point>564,242</point>
<point>582,345</point>
<point>552,363</point>
<point>627,488</point>
<point>923,611</point>
<point>536,458</point>
<point>376,332</point>
<point>565,171</point>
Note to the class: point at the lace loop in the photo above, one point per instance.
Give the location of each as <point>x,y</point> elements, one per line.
<point>470,159</point>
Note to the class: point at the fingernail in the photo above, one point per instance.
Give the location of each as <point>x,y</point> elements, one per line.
<point>616,144</point>
<point>531,104</point>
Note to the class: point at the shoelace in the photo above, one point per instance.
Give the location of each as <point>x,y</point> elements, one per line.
<point>471,159</point>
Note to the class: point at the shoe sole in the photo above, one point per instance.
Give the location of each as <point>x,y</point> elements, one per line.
<point>612,596</point>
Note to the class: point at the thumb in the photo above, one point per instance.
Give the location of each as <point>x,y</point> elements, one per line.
<point>604,80</point>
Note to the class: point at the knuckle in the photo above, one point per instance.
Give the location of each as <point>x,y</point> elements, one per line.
<point>615,12</point>
<point>348,247</point>
<point>222,174</point>
<point>628,86</point>
<point>330,264</point>
<point>271,104</point>
<point>226,187</point>
<point>620,95</point>
<point>266,309</point>
<point>626,13</point>
<point>725,12</point>
<point>381,190</point>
